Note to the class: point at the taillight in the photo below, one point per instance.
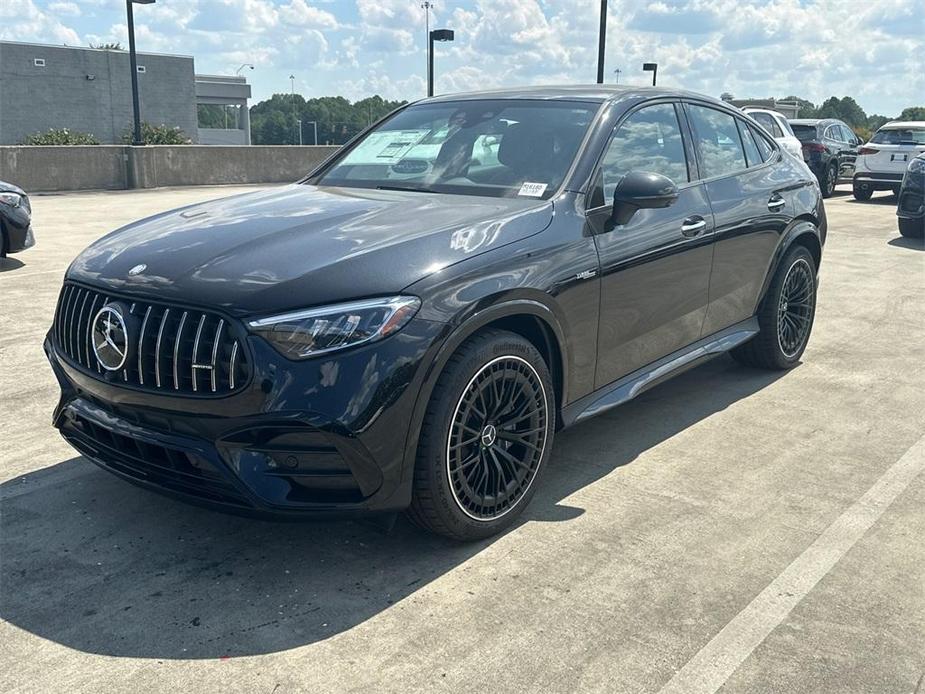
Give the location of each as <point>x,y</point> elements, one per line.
<point>813,147</point>
<point>868,150</point>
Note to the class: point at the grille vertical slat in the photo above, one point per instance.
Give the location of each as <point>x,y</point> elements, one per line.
<point>141,346</point>
<point>232,364</point>
<point>176,351</point>
<point>88,332</point>
<point>157,348</point>
<point>194,362</point>
<point>215,344</point>
<point>173,348</point>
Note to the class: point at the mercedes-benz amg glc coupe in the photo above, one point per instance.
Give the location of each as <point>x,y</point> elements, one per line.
<point>409,326</point>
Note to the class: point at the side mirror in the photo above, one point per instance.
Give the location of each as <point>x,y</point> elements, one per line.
<point>642,190</point>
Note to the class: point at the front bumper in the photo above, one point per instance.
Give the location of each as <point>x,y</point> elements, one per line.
<point>18,237</point>
<point>322,437</point>
<point>911,203</point>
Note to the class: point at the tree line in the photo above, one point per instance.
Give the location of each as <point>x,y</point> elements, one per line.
<point>275,121</point>
<point>848,110</point>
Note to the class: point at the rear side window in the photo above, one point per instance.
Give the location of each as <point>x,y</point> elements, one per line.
<point>804,133</point>
<point>768,122</point>
<point>718,140</point>
<point>899,136</point>
<point>752,154</point>
<point>764,147</point>
<point>648,140</point>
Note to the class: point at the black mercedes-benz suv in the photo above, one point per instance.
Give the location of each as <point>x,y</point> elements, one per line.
<point>408,326</point>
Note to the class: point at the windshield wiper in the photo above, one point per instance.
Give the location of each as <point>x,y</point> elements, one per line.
<point>409,190</point>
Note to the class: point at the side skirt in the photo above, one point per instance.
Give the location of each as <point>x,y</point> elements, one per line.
<point>631,385</point>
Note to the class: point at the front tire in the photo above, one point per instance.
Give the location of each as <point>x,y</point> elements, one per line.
<point>485,439</point>
<point>786,315</point>
<point>912,228</point>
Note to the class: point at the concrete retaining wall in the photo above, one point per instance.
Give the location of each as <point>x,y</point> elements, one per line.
<point>102,167</point>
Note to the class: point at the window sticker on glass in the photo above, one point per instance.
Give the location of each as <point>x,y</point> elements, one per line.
<point>533,190</point>
<point>388,147</point>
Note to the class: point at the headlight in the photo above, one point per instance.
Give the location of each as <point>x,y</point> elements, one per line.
<point>303,334</point>
<point>917,165</point>
<point>11,199</point>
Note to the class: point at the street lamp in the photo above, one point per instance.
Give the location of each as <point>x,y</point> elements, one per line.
<point>292,97</point>
<point>601,41</point>
<point>136,108</point>
<point>238,71</point>
<point>435,35</point>
<point>314,125</point>
<point>651,67</point>
<point>617,74</point>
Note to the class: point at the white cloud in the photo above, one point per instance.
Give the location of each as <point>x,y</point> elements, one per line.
<point>64,8</point>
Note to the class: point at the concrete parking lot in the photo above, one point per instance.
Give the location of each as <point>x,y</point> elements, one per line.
<point>733,529</point>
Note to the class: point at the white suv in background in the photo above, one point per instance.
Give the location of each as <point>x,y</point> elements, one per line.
<point>778,127</point>
<point>882,162</point>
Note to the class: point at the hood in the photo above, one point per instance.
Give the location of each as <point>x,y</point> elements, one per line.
<point>302,246</point>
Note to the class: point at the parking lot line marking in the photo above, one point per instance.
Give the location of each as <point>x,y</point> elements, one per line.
<point>709,669</point>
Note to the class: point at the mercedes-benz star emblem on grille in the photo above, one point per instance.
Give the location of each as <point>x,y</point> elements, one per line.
<point>137,270</point>
<point>110,338</point>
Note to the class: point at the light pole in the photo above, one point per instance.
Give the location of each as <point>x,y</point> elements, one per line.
<point>136,108</point>
<point>601,41</point>
<point>299,121</point>
<point>435,35</point>
<point>426,6</point>
<point>617,73</point>
<point>292,97</point>
<point>238,71</point>
<point>651,67</point>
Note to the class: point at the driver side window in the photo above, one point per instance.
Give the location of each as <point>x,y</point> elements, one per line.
<point>648,140</point>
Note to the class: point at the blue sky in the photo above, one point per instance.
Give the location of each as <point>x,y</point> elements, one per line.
<point>870,49</point>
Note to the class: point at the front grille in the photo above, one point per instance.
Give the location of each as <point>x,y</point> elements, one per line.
<point>171,469</point>
<point>176,350</point>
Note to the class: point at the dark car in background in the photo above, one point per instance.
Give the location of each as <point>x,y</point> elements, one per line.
<point>911,205</point>
<point>15,220</point>
<point>409,326</point>
<point>830,148</point>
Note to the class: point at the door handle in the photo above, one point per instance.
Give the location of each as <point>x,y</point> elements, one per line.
<point>776,203</point>
<point>692,226</point>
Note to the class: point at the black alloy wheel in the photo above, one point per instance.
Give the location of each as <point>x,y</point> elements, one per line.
<point>497,438</point>
<point>831,179</point>
<point>795,308</point>
<point>485,439</point>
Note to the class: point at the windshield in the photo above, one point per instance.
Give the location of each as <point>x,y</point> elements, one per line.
<point>804,133</point>
<point>899,136</point>
<point>499,148</point>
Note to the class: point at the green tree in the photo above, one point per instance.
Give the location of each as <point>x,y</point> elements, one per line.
<point>115,46</point>
<point>60,136</point>
<point>274,120</point>
<point>846,109</point>
<point>912,113</point>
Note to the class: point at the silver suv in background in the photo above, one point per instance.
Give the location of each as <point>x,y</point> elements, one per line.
<point>882,162</point>
<point>778,127</point>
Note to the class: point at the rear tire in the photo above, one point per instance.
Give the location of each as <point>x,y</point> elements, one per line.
<point>786,315</point>
<point>862,194</point>
<point>912,228</point>
<point>827,184</point>
<point>485,439</point>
